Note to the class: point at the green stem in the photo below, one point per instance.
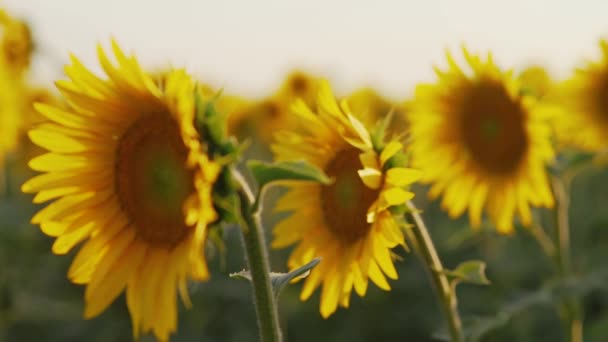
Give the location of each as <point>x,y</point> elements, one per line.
<point>257,259</point>
<point>445,292</point>
<point>570,307</point>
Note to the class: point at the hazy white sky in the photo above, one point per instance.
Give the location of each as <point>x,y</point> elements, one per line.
<point>247,46</point>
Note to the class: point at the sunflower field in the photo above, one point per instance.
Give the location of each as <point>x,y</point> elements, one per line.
<point>143,202</point>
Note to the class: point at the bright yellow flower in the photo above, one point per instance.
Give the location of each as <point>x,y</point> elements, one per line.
<point>15,54</point>
<point>584,100</point>
<point>127,175</point>
<point>373,107</point>
<point>262,119</point>
<point>347,223</point>
<point>17,46</point>
<point>536,80</point>
<point>299,85</point>
<point>482,143</point>
<point>11,119</point>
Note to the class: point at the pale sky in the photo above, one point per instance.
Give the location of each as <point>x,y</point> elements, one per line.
<point>247,46</point>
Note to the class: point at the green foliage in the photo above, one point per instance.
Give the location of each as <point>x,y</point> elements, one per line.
<point>37,301</point>
<point>549,295</point>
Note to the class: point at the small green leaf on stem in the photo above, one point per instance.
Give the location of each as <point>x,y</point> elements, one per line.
<point>266,173</point>
<point>280,280</point>
<point>472,271</point>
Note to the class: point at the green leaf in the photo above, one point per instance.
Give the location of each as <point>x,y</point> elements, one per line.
<point>280,280</point>
<point>472,271</point>
<point>548,295</point>
<point>266,173</point>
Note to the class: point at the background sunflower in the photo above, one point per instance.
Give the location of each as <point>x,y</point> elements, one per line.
<point>584,101</point>
<point>482,143</point>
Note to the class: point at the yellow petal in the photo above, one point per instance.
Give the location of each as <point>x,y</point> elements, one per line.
<point>383,258</point>
<point>396,196</point>
<point>370,160</point>
<point>330,293</point>
<point>401,176</point>
<point>372,178</point>
<point>377,277</point>
<point>113,282</point>
<point>390,150</point>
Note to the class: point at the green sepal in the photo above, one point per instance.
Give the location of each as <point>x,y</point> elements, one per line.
<point>400,159</point>
<point>212,127</point>
<point>215,236</point>
<point>224,150</point>
<point>378,133</point>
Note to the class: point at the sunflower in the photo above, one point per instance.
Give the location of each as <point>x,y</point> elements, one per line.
<point>12,98</point>
<point>15,51</point>
<point>482,143</point>
<point>261,119</point>
<point>299,84</point>
<point>536,80</point>
<point>17,45</point>
<point>127,175</point>
<point>584,99</point>
<point>373,107</point>
<point>348,223</point>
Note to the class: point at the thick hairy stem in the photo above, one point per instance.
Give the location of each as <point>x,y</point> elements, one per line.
<point>257,259</point>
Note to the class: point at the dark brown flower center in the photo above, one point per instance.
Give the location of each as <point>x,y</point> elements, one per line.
<point>270,110</point>
<point>346,201</point>
<point>492,127</point>
<point>602,96</point>
<point>17,45</point>
<point>152,180</point>
<point>299,84</point>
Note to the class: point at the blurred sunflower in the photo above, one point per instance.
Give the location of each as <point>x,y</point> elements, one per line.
<point>584,99</point>
<point>348,223</point>
<point>11,120</point>
<point>482,143</point>
<point>299,85</point>
<point>128,175</point>
<point>15,53</point>
<point>373,107</point>
<point>263,118</point>
<point>536,80</point>
<point>17,45</point>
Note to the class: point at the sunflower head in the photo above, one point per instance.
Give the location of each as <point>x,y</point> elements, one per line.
<point>17,44</point>
<point>299,84</point>
<point>12,99</point>
<point>129,175</point>
<point>481,142</point>
<point>373,109</point>
<point>261,119</point>
<point>536,81</point>
<point>584,101</point>
<point>349,222</point>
